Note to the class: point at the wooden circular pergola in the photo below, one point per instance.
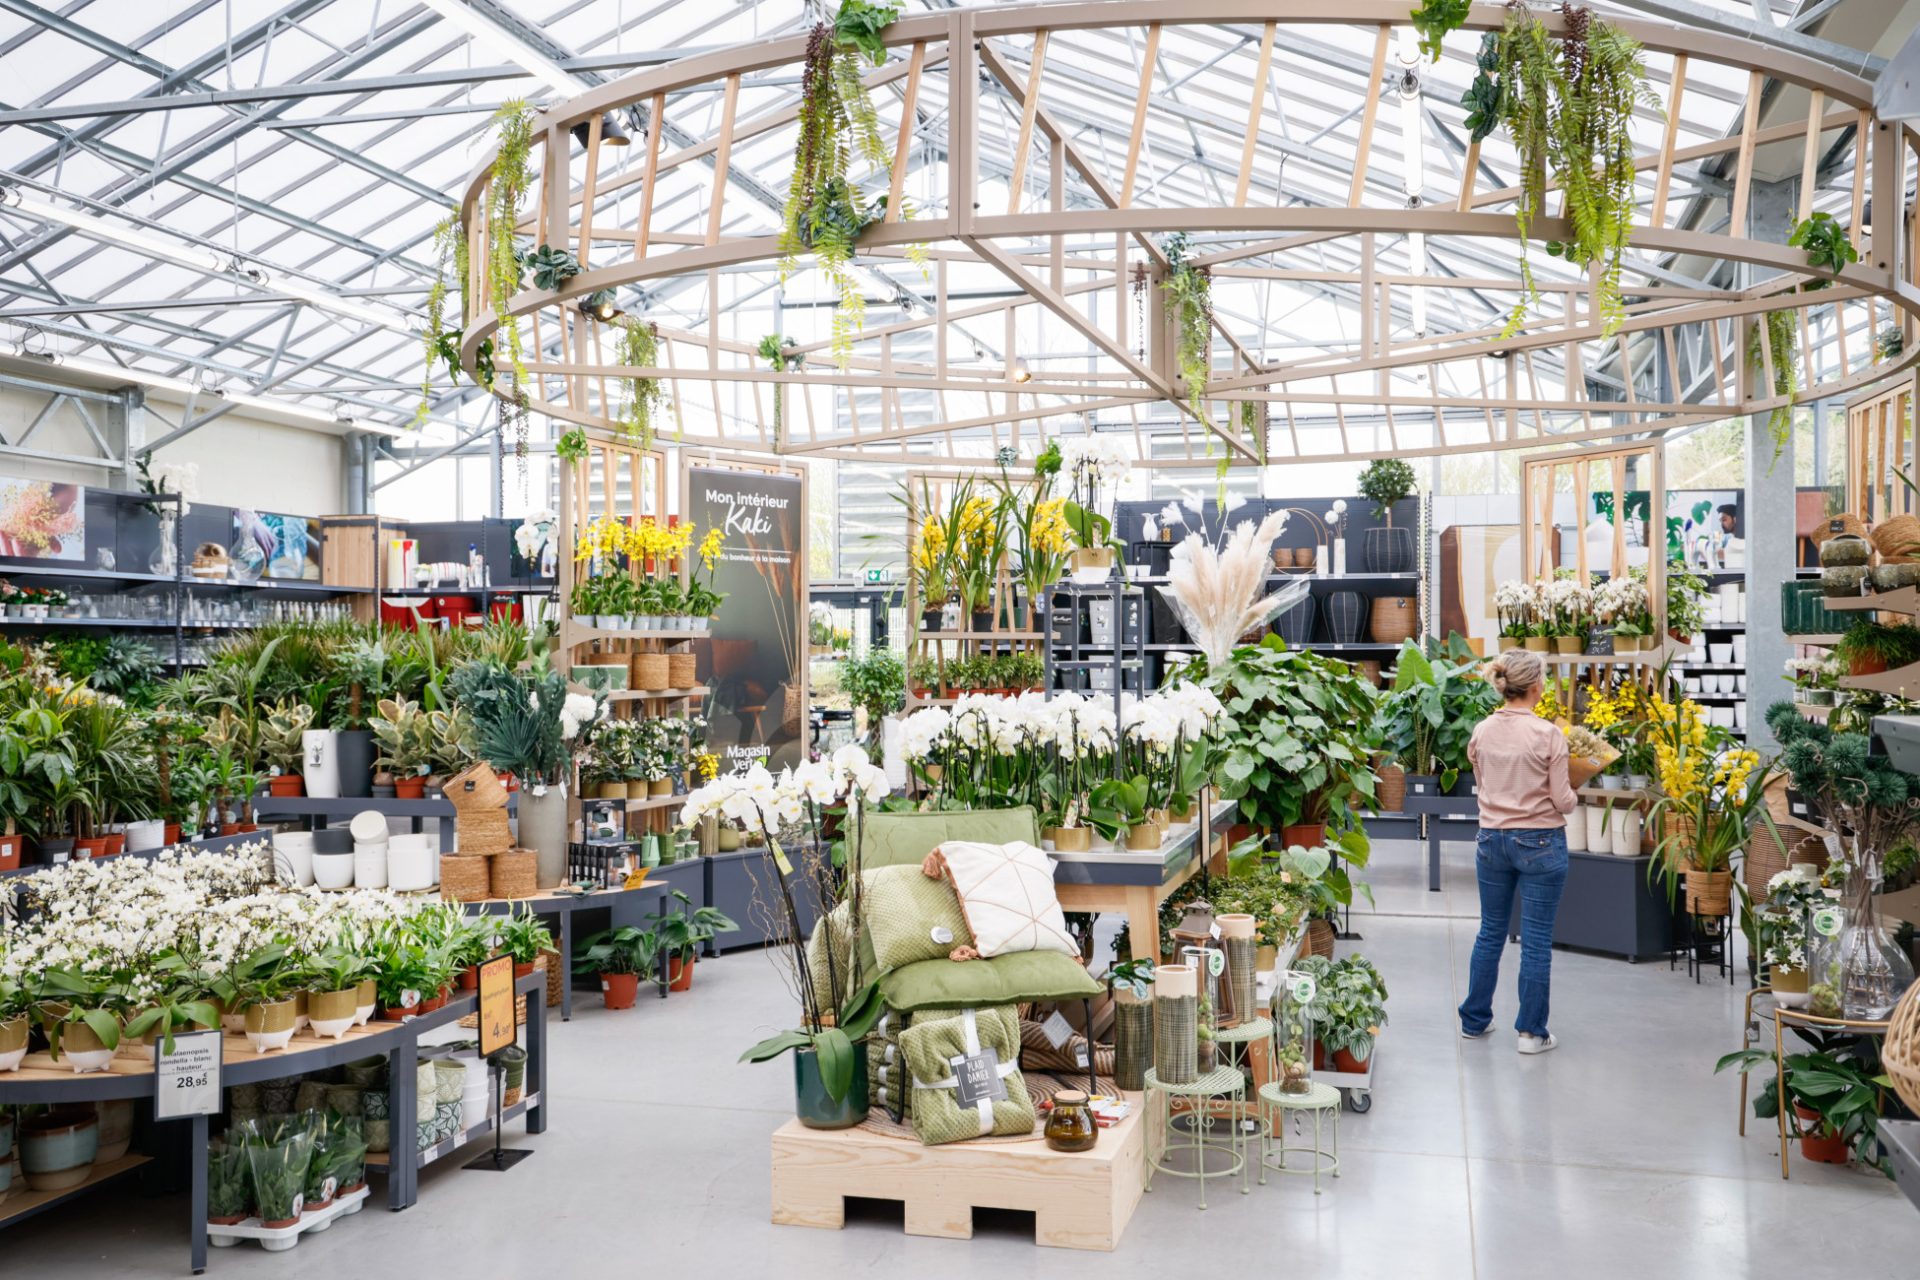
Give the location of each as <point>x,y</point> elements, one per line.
<point>1012,185</point>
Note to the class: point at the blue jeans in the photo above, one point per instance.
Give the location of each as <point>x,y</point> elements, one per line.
<point>1537,862</point>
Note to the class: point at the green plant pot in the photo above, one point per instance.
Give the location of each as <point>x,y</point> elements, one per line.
<point>811,1102</point>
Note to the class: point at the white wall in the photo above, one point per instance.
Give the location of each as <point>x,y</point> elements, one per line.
<point>243,461</point>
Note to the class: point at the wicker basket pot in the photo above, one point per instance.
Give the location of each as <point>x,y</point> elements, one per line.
<point>513,874</point>
<point>482,833</point>
<point>465,879</point>
<point>682,670</point>
<point>556,976</point>
<point>1395,618</point>
<point>1709,893</point>
<point>1391,794</point>
<point>475,789</point>
<point>652,672</point>
<point>1897,539</point>
<point>1901,1053</point>
<point>1319,939</point>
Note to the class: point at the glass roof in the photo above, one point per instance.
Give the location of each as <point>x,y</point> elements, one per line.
<point>242,195</point>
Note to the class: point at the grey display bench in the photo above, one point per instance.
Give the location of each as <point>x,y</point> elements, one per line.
<point>1433,811</point>
<point>324,813</point>
<point>212,844</point>
<point>39,1080</point>
<point>1609,907</point>
<point>625,905</point>
<point>1901,1138</point>
<point>730,880</point>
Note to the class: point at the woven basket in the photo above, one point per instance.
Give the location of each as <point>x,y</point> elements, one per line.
<point>1848,522</point>
<point>1677,832</point>
<point>1891,535</point>
<point>1395,618</point>
<point>1900,1055</point>
<point>1391,794</point>
<point>796,710</point>
<point>472,1020</point>
<point>556,976</point>
<point>1132,1041</point>
<point>514,874</point>
<point>651,672</point>
<point>1319,939</point>
<point>464,879</point>
<point>1710,893</point>
<point>682,670</point>
<point>1367,669</point>
<point>475,789</point>
<point>483,832</point>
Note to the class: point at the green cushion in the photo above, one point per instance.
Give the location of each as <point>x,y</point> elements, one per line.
<point>1010,979</point>
<point>890,839</point>
<point>908,913</point>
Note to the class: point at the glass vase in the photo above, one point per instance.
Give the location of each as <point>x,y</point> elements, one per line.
<point>1874,971</point>
<point>1209,969</point>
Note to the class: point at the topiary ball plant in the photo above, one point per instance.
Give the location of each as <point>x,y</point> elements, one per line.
<point>1385,482</point>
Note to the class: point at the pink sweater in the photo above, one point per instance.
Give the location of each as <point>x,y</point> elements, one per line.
<point>1520,771</point>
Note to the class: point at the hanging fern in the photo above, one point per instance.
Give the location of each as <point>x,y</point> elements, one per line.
<point>1779,332</point>
<point>512,175</point>
<point>639,346</point>
<point>449,250</point>
<point>1568,107</point>
<point>1189,291</point>
<point>1253,426</point>
<point>825,212</point>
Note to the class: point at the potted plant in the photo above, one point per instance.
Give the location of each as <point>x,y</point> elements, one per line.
<point>1835,1098</point>
<point>405,738</point>
<point>1427,719</point>
<point>360,668</point>
<point>619,958</point>
<point>524,936</point>
<point>1118,804</point>
<point>1385,482</point>
<point>282,739</point>
<point>406,979</point>
<point>682,933</point>
<point>16,1009</point>
<point>80,1014</point>
<point>333,985</point>
<point>1686,596</point>
<point>279,1149</point>
<point>1711,793</point>
<point>229,1184</point>
<point>1355,999</point>
<point>175,1006</point>
<point>1869,647</point>
<point>876,685</point>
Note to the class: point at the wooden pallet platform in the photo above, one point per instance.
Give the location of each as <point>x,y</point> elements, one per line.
<point>1078,1201</point>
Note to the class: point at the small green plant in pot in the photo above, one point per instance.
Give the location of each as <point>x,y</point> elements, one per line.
<point>619,958</point>
<point>1385,482</point>
<point>681,934</point>
<point>524,936</point>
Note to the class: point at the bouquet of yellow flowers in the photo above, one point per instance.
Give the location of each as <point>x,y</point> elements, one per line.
<point>1711,793</point>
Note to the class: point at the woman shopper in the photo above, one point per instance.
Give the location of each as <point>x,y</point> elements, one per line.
<point>1520,773</point>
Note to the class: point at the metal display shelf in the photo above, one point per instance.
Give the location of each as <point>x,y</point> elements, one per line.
<point>22,1204</point>
<point>621,903</point>
<point>399,1042</point>
<point>211,845</point>
<point>1118,865</point>
<point>321,813</point>
<point>1901,1138</point>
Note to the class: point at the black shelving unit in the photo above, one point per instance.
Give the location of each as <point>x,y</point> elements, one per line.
<point>1071,657</point>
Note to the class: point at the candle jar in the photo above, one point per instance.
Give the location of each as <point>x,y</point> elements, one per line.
<point>1070,1125</point>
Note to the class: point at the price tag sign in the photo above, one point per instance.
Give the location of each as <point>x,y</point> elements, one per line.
<point>187,1081</point>
<point>497,1028</point>
<point>977,1076</point>
<point>1826,922</point>
<point>1056,1029</point>
<point>1216,963</point>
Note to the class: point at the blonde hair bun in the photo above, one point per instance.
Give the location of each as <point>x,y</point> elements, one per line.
<point>1517,673</point>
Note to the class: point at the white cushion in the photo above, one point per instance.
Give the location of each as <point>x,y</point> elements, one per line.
<point>1006,891</point>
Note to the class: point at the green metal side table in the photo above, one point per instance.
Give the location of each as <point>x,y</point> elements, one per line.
<point>1199,1136</point>
<point>1277,1106</point>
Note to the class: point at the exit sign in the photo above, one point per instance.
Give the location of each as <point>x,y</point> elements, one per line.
<point>876,575</point>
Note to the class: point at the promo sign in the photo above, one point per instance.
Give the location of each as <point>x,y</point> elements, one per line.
<point>187,1080</point>
<point>497,1029</point>
<point>756,654</point>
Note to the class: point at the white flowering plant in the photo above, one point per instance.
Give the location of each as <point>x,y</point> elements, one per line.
<point>1518,606</point>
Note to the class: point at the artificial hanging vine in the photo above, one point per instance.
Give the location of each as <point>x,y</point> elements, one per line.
<point>1568,107</point>
<point>1434,19</point>
<point>638,346</point>
<point>1778,332</point>
<point>441,345</point>
<point>825,212</point>
<point>1189,291</point>
<point>1827,246</point>
<point>512,175</point>
<point>780,356</point>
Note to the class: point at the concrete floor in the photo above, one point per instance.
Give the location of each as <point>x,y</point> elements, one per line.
<point>1615,1155</point>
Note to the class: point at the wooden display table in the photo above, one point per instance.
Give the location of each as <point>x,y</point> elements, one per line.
<point>1116,879</point>
<point>1078,1201</point>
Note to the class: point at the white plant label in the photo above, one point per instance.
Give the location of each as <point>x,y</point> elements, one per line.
<point>1056,1029</point>
<point>187,1081</point>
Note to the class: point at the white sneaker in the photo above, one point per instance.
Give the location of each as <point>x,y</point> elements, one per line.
<point>1476,1035</point>
<point>1537,1044</point>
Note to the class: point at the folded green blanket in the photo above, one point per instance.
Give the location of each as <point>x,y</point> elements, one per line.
<point>886,1065</point>
<point>932,1044</point>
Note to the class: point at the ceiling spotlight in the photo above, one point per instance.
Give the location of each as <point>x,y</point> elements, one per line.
<point>1408,82</point>
<point>600,306</point>
<point>1498,355</point>
<point>612,132</point>
<point>1018,370</point>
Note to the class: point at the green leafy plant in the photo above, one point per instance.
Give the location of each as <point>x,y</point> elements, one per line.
<point>681,932</point>
<point>1568,106</point>
<point>229,1181</point>
<point>780,355</point>
<point>1434,19</point>
<point>1189,291</point>
<point>552,267</point>
<point>572,445</point>
<point>1778,332</point>
<point>1889,343</point>
<point>1891,646</point>
<point>70,996</point>
<point>1827,246</point>
<point>1483,97</point>
<point>623,950</point>
<point>523,935</point>
<point>877,683</point>
<point>506,190</point>
<point>639,348</point>
<point>1437,700</point>
<point>1385,482</point>
<point>1843,1093</point>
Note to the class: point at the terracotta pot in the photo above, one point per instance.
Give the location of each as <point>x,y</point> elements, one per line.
<point>519,971</point>
<point>1865,664</point>
<point>172,835</point>
<point>1070,839</point>
<point>287,784</point>
<point>116,844</point>
<point>619,990</point>
<point>1820,1150</point>
<point>93,847</point>
<point>229,828</point>
<point>1346,1062</point>
<point>680,973</point>
<point>1309,834</point>
<point>470,978</point>
<point>410,788</point>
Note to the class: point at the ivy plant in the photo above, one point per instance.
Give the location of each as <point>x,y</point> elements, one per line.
<point>1434,19</point>
<point>1777,331</point>
<point>1827,246</point>
<point>1189,291</point>
<point>506,191</point>
<point>638,347</point>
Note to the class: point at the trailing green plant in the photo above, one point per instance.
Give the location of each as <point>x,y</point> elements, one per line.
<point>639,347</point>
<point>1778,332</point>
<point>1189,291</point>
<point>1568,106</point>
<point>1483,97</point>
<point>780,355</point>
<point>507,189</point>
<point>1385,482</point>
<point>438,343</point>
<point>1889,343</point>
<point>552,267</point>
<point>572,445</point>
<point>1434,19</point>
<point>1827,246</point>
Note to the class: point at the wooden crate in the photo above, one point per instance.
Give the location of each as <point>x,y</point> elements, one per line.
<point>1078,1201</point>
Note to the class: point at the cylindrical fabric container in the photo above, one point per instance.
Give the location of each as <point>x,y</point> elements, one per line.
<point>1132,1039</point>
<point>1175,1024</point>
<point>1236,937</point>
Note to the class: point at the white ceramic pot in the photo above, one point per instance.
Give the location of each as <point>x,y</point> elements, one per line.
<point>369,826</point>
<point>1598,831</point>
<point>320,763</point>
<point>543,828</point>
<point>1720,653</point>
<point>409,862</point>
<point>85,1061</point>
<point>1740,647</point>
<point>293,857</point>
<point>1625,833</point>
<point>369,865</point>
<point>11,1060</point>
<point>1576,832</point>
<point>1739,715</point>
<point>146,836</point>
<point>333,870</point>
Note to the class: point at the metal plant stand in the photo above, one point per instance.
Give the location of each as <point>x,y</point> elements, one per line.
<point>1199,1134</point>
<point>1323,1100</point>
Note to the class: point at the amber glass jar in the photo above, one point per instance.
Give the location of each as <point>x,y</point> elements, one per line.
<point>1070,1124</point>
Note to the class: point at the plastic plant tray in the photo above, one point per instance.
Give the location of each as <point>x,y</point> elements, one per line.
<point>280,1239</point>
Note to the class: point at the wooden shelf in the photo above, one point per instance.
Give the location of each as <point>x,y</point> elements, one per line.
<point>23,1203</point>
<point>1822,638</point>
<point>983,635</point>
<point>647,695</point>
